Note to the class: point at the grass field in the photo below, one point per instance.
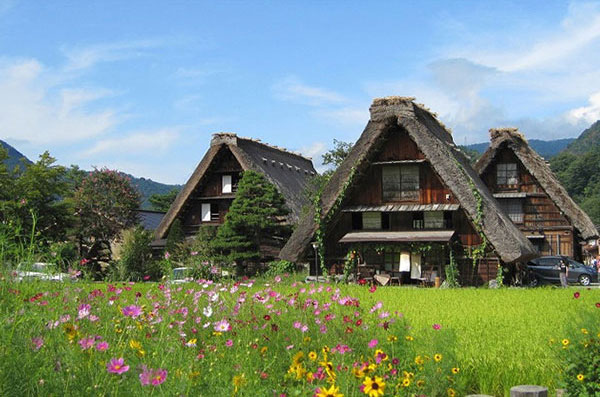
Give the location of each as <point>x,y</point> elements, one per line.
<point>282,338</point>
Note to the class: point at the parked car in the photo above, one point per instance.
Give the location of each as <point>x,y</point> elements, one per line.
<point>545,270</point>
<point>181,275</point>
<point>39,271</point>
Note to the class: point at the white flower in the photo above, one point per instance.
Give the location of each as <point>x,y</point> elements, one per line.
<point>207,311</point>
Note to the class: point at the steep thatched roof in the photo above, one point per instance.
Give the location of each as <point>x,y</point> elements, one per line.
<point>289,172</point>
<point>430,136</point>
<point>512,139</point>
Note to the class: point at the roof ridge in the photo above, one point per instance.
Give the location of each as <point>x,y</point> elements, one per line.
<point>231,138</point>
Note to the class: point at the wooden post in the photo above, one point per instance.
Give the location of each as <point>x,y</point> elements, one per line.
<point>528,391</point>
<point>438,282</point>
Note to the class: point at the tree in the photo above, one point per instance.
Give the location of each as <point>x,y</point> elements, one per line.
<point>175,237</point>
<point>105,203</point>
<point>336,156</point>
<point>162,202</point>
<point>256,217</point>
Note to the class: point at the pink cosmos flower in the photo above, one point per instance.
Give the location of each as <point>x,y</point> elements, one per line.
<point>297,325</point>
<point>84,311</point>
<point>373,343</point>
<point>436,326</point>
<point>117,366</point>
<point>576,295</point>
<point>167,255</point>
<point>153,377</point>
<point>37,343</point>
<point>132,311</point>
<point>102,346</point>
<point>373,288</point>
<point>229,343</point>
<point>222,326</point>
<point>86,343</point>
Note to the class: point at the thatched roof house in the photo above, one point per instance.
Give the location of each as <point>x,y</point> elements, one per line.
<point>438,158</point>
<point>214,182</point>
<point>546,208</point>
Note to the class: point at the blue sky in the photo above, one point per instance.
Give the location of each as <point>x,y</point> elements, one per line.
<point>140,85</point>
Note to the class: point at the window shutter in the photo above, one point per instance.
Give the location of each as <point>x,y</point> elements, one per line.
<point>227,184</point>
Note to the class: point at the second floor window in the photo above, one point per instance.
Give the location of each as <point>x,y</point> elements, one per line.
<point>507,174</point>
<point>513,208</point>
<point>400,182</point>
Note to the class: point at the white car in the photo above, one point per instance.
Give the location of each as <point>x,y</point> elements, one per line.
<point>181,275</point>
<point>39,271</point>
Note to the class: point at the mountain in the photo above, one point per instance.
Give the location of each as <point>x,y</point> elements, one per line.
<point>586,141</point>
<point>546,149</point>
<point>146,187</point>
<point>14,156</point>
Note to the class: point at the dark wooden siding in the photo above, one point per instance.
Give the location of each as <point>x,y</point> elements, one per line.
<point>540,214</point>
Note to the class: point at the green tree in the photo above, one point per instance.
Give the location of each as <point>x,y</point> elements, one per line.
<point>336,156</point>
<point>257,216</point>
<point>105,204</point>
<point>162,202</point>
<point>174,237</point>
<point>40,190</point>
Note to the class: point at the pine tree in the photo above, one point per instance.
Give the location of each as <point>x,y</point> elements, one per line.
<point>256,216</point>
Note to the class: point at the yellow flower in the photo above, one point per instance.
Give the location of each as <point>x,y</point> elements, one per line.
<point>419,360</point>
<point>408,375</point>
<point>420,383</point>
<point>298,357</point>
<point>194,374</point>
<point>409,338</point>
<point>584,331</point>
<point>437,357</point>
<point>238,381</point>
<point>392,338</point>
<point>263,350</point>
<point>70,331</point>
<point>565,342</point>
<point>359,373</point>
<point>325,349</point>
<point>405,382</point>
<point>455,370</point>
<point>580,377</point>
<point>374,387</point>
<point>451,392</point>
<point>333,391</point>
<point>307,339</point>
<point>135,345</point>
<point>310,377</point>
<point>312,356</point>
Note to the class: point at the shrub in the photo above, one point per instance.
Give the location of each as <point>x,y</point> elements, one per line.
<point>136,261</point>
<point>174,239</point>
<point>280,267</point>
<point>64,254</point>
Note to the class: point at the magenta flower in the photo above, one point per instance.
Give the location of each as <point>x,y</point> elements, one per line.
<point>373,343</point>
<point>229,343</point>
<point>167,255</point>
<point>222,326</point>
<point>132,311</point>
<point>117,366</point>
<point>102,346</point>
<point>436,326</point>
<point>576,295</point>
<point>86,343</point>
<point>84,311</point>
<point>37,343</point>
<point>153,377</point>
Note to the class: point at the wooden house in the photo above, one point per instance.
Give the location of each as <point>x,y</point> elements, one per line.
<point>406,198</point>
<point>207,195</point>
<point>532,196</point>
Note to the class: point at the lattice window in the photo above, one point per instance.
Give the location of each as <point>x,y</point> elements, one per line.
<point>401,182</point>
<point>507,174</point>
<point>513,208</point>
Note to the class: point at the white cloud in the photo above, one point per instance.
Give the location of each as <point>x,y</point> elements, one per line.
<point>314,150</point>
<point>345,116</point>
<point>34,108</point>
<point>139,142</point>
<point>589,114</point>
<point>86,57</point>
<point>293,90</point>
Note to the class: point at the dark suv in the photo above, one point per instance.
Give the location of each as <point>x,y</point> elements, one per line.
<point>545,270</point>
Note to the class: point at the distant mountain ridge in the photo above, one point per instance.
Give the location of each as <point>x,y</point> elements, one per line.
<point>146,187</point>
<point>546,149</point>
<point>586,141</point>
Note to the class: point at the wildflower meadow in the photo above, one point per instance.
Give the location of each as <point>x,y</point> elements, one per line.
<point>283,337</point>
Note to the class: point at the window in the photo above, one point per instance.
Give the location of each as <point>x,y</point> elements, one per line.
<point>401,182</point>
<point>205,212</point>
<point>418,220</point>
<point>210,212</point>
<point>392,260</point>
<point>507,174</point>
<point>434,219</point>
<point>357,222</point>
<point>513,208</point>
<point>227,185</point>
<point>371,220</point>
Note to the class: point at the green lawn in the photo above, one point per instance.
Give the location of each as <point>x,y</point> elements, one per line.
<point>52,338</point>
